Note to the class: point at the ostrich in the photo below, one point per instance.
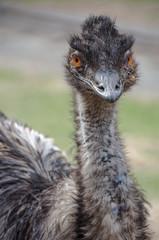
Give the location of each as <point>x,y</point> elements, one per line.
<point>41,196</point>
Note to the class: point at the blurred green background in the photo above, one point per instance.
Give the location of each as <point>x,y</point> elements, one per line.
<point>33,41</point>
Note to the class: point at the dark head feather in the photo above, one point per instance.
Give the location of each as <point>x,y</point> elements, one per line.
<point>100,34</point>
<point>101,49</point>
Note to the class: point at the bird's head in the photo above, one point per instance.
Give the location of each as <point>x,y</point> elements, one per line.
<point>101,60</point>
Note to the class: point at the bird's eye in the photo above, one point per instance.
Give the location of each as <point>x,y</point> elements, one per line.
<point>130,60</point>
<point>76,61</point>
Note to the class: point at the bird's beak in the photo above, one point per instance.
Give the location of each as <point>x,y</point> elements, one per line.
<point>108,85</point>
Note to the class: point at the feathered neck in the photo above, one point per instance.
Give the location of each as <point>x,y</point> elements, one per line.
<point>108,195</point>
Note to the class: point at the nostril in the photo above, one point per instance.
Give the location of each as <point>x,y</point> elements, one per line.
<point>117,86</point>
<point>100,87</point>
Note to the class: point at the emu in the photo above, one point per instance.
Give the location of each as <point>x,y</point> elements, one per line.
<point>41,196</point>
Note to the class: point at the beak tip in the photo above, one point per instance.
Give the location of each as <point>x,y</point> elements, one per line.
<point>109,85</point>
<point>110,95</point>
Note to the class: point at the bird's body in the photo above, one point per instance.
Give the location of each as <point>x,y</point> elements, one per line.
<point>37,192</point>
<point>41,196</point>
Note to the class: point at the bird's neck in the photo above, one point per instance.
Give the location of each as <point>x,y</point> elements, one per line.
<point>101,164</point>
<point>97,138</point>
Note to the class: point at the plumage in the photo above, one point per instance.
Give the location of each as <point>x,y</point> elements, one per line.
<point>41,196</point>
<point>35,179</point>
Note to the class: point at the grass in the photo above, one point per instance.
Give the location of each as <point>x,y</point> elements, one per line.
<point>44,104</point>
<point>149,180</point>
<point>30,100</point>
<point>139,118</point>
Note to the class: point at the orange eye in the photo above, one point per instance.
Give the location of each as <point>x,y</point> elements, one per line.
<point>76,61</point>
<point>130,60</point>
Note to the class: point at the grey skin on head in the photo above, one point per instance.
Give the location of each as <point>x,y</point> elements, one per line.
<point>42,197</point>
